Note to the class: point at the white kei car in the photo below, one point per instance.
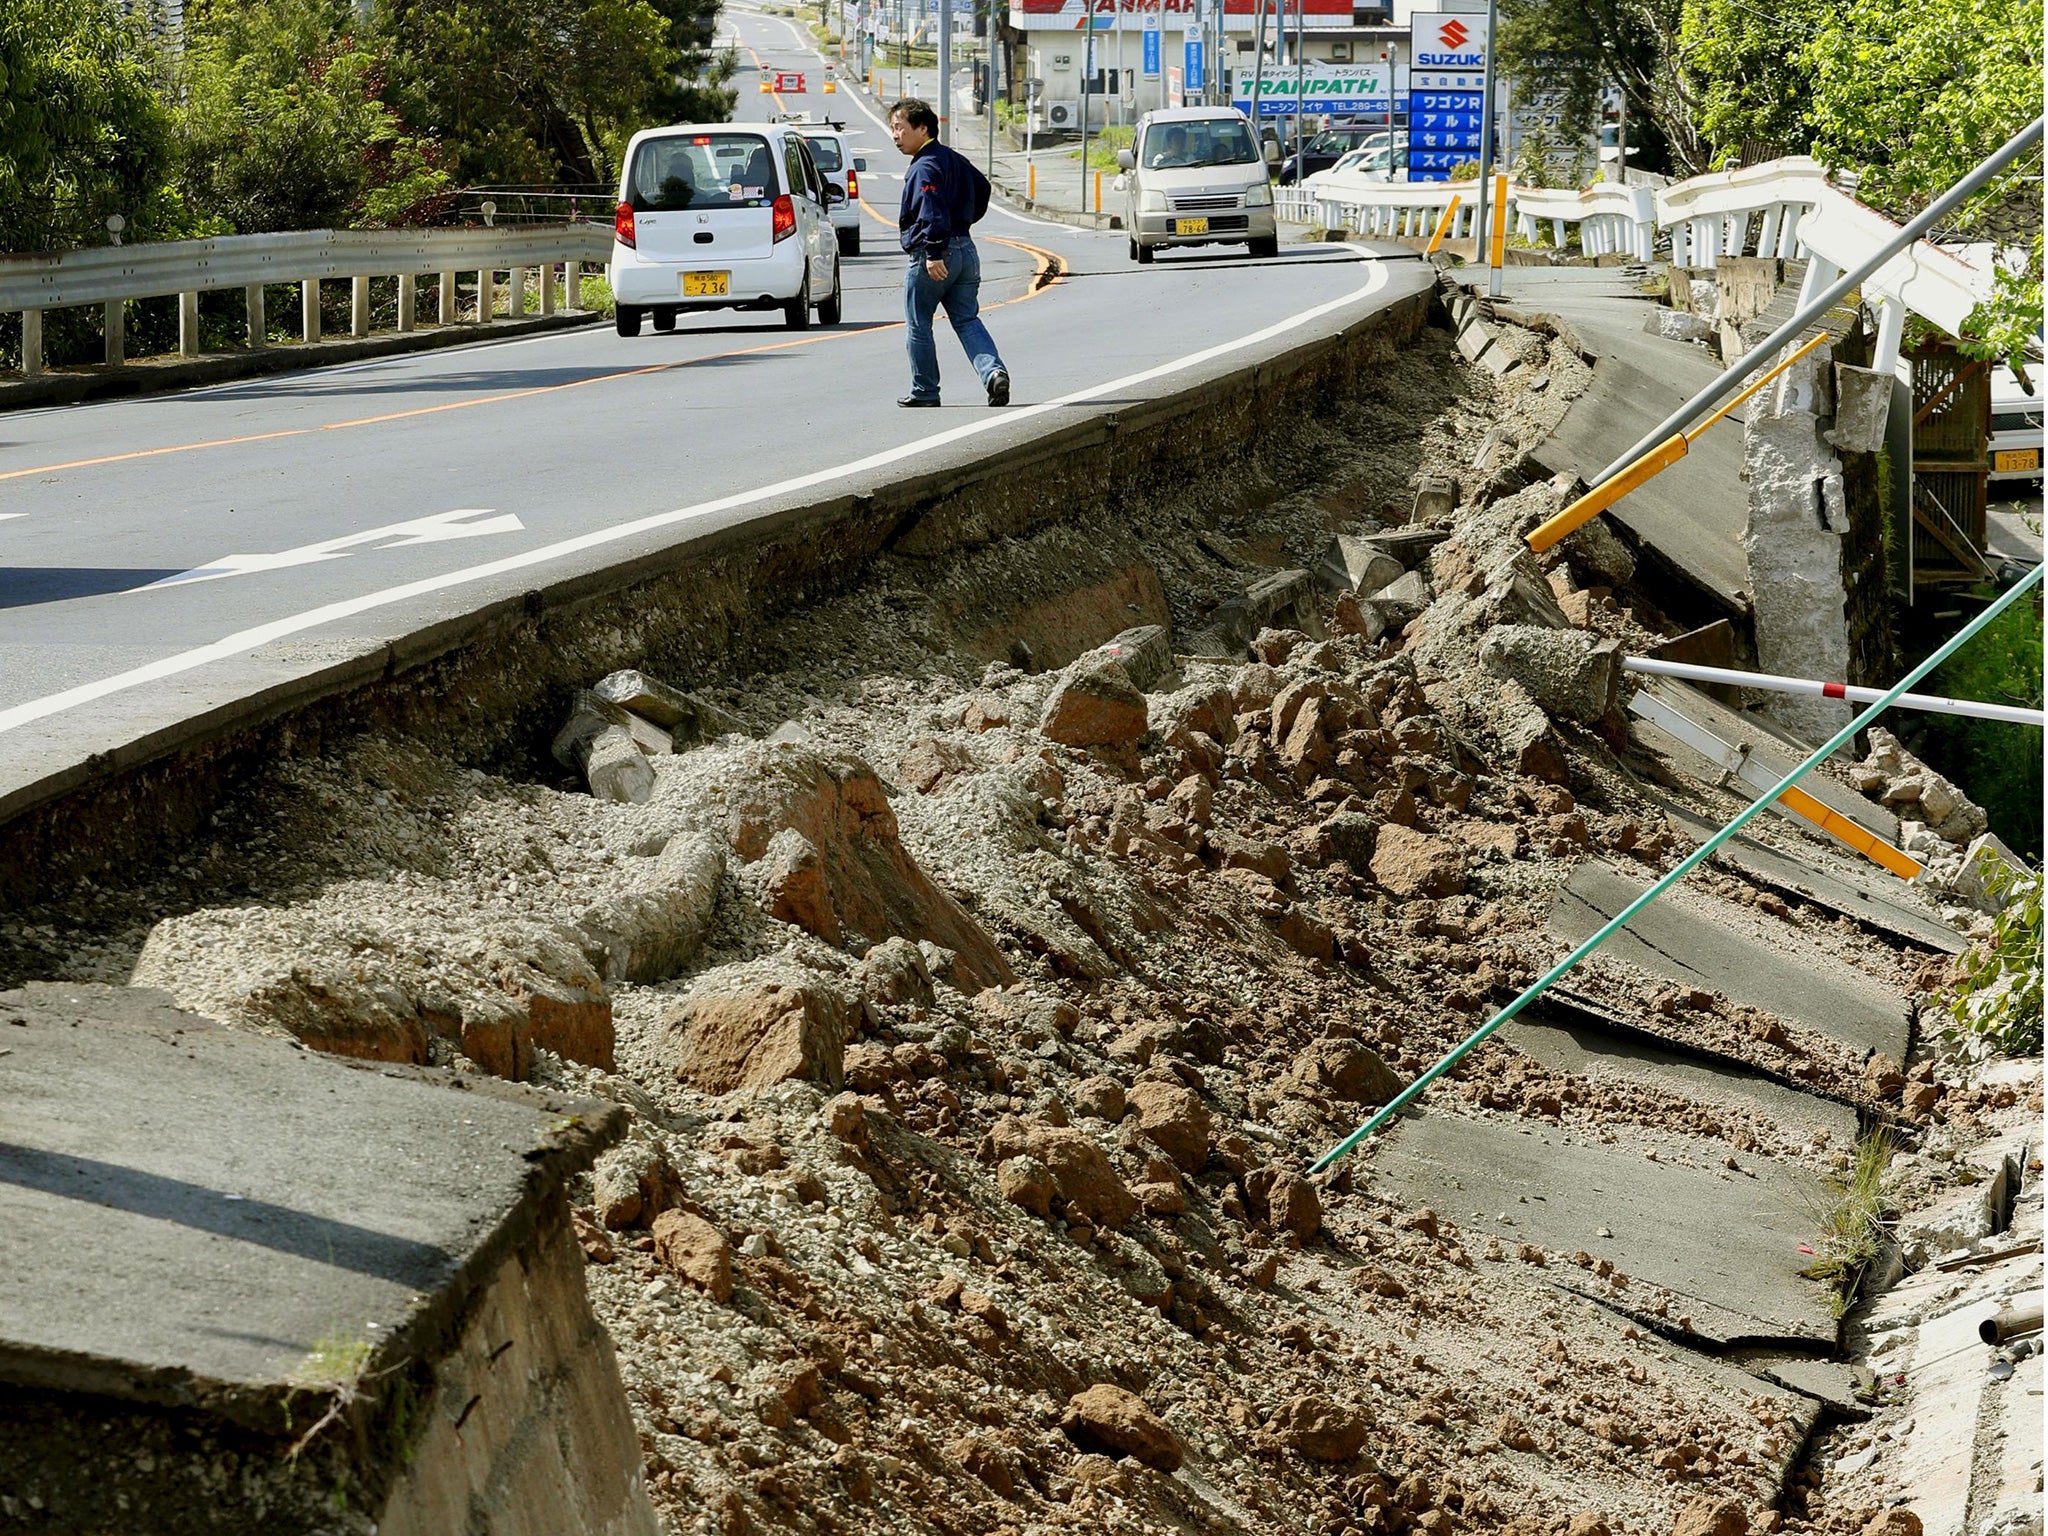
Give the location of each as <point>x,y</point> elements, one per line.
<point>841,168</point>
<point>722,216</point>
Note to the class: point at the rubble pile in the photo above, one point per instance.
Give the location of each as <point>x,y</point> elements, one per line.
<point>977,1024</point>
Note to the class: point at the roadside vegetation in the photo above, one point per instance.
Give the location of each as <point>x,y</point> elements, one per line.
<point>1849,1216</point>
<point>2000,763</point>
<point>307,114</point>
<point>1993,1000</point>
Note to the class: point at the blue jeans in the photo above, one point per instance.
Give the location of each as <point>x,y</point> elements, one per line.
<point>960,293</point>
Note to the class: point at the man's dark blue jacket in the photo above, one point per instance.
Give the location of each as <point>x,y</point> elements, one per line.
<point>943,194</point>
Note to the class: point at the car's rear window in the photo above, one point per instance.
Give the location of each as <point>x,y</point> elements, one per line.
<point>824,151</point>
<point>702,170</point>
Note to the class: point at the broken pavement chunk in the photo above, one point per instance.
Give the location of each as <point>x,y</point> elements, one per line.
<point>688,718</point>
<point>1567,671</point>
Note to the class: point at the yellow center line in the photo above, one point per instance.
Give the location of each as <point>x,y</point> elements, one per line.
<point>148,453</point>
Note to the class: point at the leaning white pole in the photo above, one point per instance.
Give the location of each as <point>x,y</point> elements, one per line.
<point>1771,683</point>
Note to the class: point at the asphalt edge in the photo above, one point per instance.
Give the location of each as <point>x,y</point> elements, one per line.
<point>150,376</point>
<point>487,681</point>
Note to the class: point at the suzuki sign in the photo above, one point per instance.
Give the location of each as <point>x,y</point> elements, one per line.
<point>1448,41</point>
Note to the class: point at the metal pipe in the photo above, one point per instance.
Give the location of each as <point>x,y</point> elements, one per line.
<point>1772,683</point>
<point>2022,1316</point>
<point>945,102</point>
<point>1833,294</point>
<point>1258,80</point>
<point>1685,867</point>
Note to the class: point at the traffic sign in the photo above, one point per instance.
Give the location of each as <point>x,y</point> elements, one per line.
<point>1192,67</point>
<point>1151,60</point>
<point>791,80</point>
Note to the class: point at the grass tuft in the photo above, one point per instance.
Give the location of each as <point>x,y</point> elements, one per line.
<point>1848,1212</point>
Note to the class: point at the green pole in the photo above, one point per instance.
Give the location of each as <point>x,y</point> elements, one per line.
<point>1543,983</point>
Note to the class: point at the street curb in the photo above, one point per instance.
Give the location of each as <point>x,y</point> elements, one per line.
<point>485,681</point>
<point>148,376</point>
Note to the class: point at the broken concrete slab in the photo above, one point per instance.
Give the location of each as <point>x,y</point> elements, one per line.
<point>1768,746</point>
<point>1145,652</point>
<point>216,1236</point>
<point>1730,1246</point>
<point>1580,1045</point>
<point>1695,941</point>
<point>1435,500</point>
<point>1853,887</point>
<point>686,717</point>
<point>1568,671</point>
<point>1354,564</point>
<point>1283,600</point>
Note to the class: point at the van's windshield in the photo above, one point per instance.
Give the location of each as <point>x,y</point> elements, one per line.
<point>1218,141</point>
<point>701,170</point>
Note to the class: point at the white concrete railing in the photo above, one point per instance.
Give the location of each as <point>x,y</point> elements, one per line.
<point>1793,211</point>
<point>112,275</point>
<point>1611,218</point>
<point>1784,208</point>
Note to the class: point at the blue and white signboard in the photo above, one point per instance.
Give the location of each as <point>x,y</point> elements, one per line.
<point>1151,58</point>
<point>1446,92</point>
<point>1192,65</point>
<point>1342,90</point>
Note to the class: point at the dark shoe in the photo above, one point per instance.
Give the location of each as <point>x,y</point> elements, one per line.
<point>999,388</point>
<point>915,402</point>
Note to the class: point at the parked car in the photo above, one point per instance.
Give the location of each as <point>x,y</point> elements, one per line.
<point>1326,148</point>
<point>1193,176</point>
<point>2015,446</point>
<point>722,216</point>
<point>841,168</point>
<point>1375,162</point>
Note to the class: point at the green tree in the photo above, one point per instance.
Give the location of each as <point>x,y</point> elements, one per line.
<point>1913,97</point>
<point>1746,72</point>
<point>533,90</point>
<point>83,133</point>
<point>1576,49</point>
<point>284,125</point>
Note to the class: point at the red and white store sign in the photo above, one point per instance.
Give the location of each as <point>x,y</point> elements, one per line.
<point>1171,15</point>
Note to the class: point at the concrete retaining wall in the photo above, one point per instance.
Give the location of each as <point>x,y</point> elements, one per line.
<point>490,684</point>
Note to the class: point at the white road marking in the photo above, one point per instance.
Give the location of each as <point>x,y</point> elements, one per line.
<point>464,523</point>
<point>6,515</point>
<point>244,641</point>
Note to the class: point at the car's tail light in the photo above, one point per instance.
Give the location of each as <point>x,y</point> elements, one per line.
<point>622,225</point>
<point>785,217</point>
<point>852,187</point>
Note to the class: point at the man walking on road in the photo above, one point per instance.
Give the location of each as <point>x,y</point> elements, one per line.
<point>943,194</point>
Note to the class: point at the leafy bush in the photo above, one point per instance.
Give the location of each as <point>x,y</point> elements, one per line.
<point>1995,996</point>
<point>1998,765</point>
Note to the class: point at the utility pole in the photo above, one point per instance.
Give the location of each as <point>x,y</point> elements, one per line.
<point>1258,78</point>
<point>1087,68</point>
<point>1484,231</point>
<point>945,102</point>
<point>1300,80</point>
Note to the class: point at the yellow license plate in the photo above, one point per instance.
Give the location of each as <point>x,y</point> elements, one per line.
<point>1191,226</point>
<point>2016,461</point>
<point>704,285</point>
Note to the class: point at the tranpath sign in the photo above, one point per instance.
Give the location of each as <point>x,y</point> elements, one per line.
<point>1340,89</point>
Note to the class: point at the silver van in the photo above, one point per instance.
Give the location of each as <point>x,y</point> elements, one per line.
<point>1194,176</point>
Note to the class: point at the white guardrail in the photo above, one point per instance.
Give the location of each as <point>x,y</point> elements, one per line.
<point>113,275</point>
<point>1784,208</point>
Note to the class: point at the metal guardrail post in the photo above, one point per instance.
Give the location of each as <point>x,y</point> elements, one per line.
<point>117,332</point>
<point>515,294</point>
<point>188,325</point>
<point>572,285</point>
<point>31,343</point>
<point>309,302</point>
<point>547,288</point>
<point>259,325</point>
<point>408,299</point>
<point>359,305</point>
<point>486,300</point>
<point>445,300</point>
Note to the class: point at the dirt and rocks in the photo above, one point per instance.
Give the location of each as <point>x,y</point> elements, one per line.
<point>978,1018</point>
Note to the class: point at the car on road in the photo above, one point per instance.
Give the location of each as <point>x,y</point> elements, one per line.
<point>722,216</point>
<point>2015,446</point>
<point>1325,149</point>
<point>1193,176</point>
<point>1374,162</point>
<point>841,168</point>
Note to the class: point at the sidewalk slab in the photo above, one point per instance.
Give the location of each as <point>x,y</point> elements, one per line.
<point>1693,941</point>
<point>1728,1247</point>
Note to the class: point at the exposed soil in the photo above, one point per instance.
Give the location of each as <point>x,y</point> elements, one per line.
<point>941,1189</point>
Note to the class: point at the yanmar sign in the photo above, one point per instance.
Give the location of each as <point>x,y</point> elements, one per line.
<point>1446,40</point>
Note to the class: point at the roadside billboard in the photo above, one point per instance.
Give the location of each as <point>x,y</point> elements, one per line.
<point>1339,90</point>
<point>1446,91</point>
<point>1174,15</point>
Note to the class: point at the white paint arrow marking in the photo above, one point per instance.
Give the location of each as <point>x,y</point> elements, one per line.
<point>464,523</point>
